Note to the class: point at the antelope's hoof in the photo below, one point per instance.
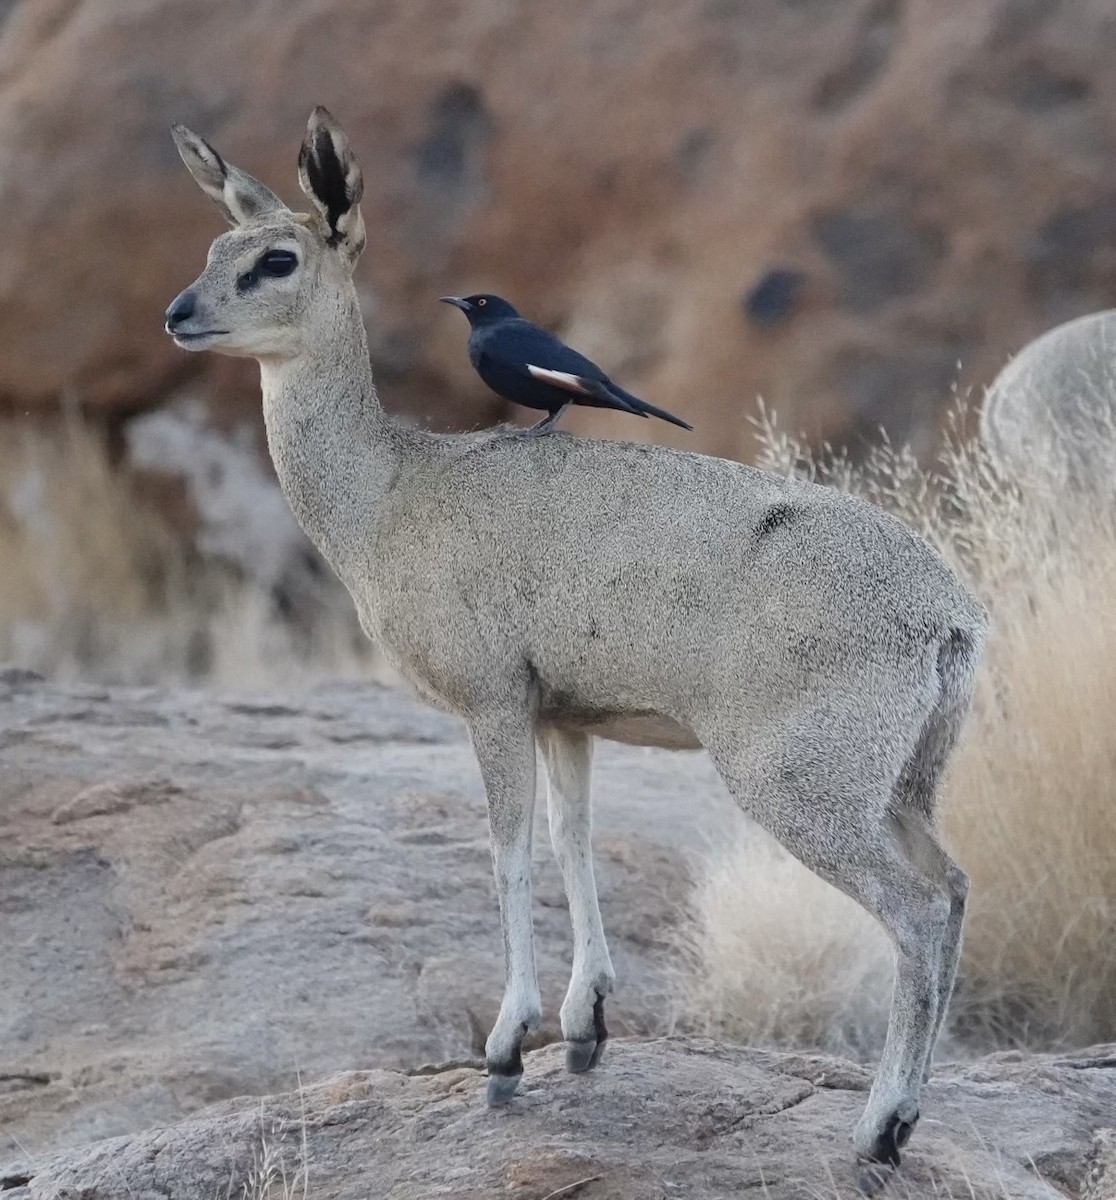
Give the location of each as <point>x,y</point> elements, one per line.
<point>895,1134</point>
<point>583,1055</point>
<point>874,1178</point>
<point>501,1088</point>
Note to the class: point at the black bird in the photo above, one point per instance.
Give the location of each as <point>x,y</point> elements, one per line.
<point>529,366</point>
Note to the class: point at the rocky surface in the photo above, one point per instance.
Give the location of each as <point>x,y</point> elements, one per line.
<point>205,895</point>
<point>658,1119</point>
<point>829,202</point>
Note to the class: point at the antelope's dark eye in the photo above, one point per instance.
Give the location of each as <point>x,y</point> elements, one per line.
<point>277,263</point>
<point>481,302</point>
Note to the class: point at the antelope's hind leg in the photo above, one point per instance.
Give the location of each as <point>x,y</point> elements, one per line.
<point>914,806</point>
<point>827,794</point>
<point>568,757</point>
<point>918,833</point>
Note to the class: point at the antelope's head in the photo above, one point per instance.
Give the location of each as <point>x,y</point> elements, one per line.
<point>272,281</point>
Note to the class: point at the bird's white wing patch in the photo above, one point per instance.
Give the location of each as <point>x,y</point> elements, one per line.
<point>562,379</point>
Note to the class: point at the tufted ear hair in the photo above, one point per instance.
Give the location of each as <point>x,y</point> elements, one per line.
<point>240,197</point>
<point>330,176</point>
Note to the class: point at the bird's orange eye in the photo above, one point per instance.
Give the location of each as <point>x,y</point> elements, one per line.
<point>481,302</point>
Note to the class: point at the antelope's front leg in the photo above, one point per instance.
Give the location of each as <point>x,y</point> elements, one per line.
<point>568,763</point>
<point>505,749</point>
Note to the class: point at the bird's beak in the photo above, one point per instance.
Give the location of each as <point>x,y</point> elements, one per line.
<point>457,302</point>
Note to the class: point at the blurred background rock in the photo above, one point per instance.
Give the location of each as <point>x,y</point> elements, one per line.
<point>855,209</point>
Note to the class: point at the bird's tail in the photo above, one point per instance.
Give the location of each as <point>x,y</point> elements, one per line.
<point>648,410</point>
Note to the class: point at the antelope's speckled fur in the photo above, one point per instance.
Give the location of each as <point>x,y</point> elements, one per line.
<point>558,589</point>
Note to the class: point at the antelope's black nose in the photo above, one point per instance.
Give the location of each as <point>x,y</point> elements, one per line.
<point>181,309</point>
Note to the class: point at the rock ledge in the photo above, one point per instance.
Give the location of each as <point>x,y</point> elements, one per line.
<point>661,1118</point>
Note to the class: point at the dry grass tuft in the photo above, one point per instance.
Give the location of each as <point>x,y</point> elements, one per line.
<point>1030,811</point>
<point>276,1171</point>
<point>777,956</point>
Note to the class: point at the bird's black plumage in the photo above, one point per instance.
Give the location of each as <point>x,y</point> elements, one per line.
<point>529,366</point>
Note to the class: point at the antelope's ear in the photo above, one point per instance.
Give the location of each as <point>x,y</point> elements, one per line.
<point>240,197</point>
<point>330,176</point>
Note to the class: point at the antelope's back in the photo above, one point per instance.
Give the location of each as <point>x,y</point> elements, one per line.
<point>625,577</point>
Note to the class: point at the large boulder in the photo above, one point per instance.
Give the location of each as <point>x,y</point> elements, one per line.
<point>1049,418</point>
<point>829,202</point>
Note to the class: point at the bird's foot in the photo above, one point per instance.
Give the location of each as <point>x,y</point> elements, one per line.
<point>547,423</point>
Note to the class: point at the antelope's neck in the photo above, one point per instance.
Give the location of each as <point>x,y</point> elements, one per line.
<point>331,443</point>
